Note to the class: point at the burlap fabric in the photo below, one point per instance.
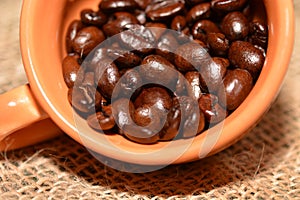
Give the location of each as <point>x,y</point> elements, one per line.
<point>265,164</point>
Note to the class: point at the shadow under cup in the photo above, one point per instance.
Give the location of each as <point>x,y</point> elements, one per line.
<point>43,29</point>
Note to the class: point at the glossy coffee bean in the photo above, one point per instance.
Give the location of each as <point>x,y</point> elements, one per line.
<point>93,18</point>
<point>138,39</point>
<point>123,58</point>
<point>258,34</point>
<point>178,23</point>
<point>193,78</point>
<point>156,97</point>
<point>166,46</point>
<point>202,27</point>
<point>246,56</point>
<point>102,121</point>
<point>128,83</point>
<point>72,31</point>
<point>106,77</point>
<point>200,11</point>
<point>123,110</point>
<point>84,98</point>
<point>119,22</point>
<point>235,26</point>
<point>159,10</point>
<point>190,56</point>
<point>87,39</point>
<point>142,135</point>
<point>237,85</point>
<point>228,5</point>
<point>192,118</point>
<point>144,115</point>
<point>181,88</point>
<point>172,124</point>
<point>213,111</point>
<point>218,44</point>
<point>71,68</point>
<point>143,3</point>
<point>156,69</point>
<point>213,74</point>
<point>110,6</point>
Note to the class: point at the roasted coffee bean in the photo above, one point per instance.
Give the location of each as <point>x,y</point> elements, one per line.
<point>144,115</point>
<point>182,88</point>
<point>110,6</point>
<point>84,98</point>
<point>71,68</point>
<point>138,38</point>
<point>194,2</point>
<point>128,83</point>
<point>106,77</point>
<point>193,78</point>
<point>97,55</point>
<point>202,27</point>
<point>218,44</point>
<point>119,22</point>
<point>172,124</point>
<point>157,69</point>
<point>87,39</point>
<point>143,3</point>
<point>143,135</point>
<point>246,56</point>
<point>159,10</point>
<point>102,121</point>
<point>93,18</point>
<point>200,11</point>
<point>213,74</point>
<point>178,23</point>
<point>235,26</point>
<point>258,34</point>
<point>156,28</point>
<point>123,110</point>
<point>156,97</point>
<point>192,118</point>
<point>166,46</point>
<point>237,85</point>
<point>213,111</point>
<point>228,5</point>
<point>123,58</point>
<point>72,31</point>
<point>191,56</point>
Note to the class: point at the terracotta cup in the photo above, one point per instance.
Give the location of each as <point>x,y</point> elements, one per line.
<point>40,110</point>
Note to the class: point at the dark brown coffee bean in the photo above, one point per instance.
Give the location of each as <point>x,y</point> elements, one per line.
<point>119,22</point>
<point>182,88</point>
<point>92,18</point>
<point>110,6</point>
<point>138,38</point>
<point>213,74</point>
<point>237,85</point>
<point>166,46</point>
<point>102,121</point>
<point>157,29</point>
<point>70,68</point>
<point>87,39</point>
<point>156,97</point>
<point>72,31</point>
<point>228,5</point>
<point>200,11</point>
<point>244,55</point>
<point>143,3</point>
<point>218,44</point>
<point>159,10</point>
<point>202,27</point>
<point>123,110</point>
<point>157,69</point>
<point>213,112</point>
<point>106,76</point>
<point>143,135</point>
<point>193,78</point>
<point>128,83</point>
<point>258,34</point>
<point>172,124</point>
<point>235,26</point>
<point>192,118</point>
<point>178,23</point>
<point>144,115</point>
<point>84,98</point>
<point>123,58</point>
<point>190,56</point>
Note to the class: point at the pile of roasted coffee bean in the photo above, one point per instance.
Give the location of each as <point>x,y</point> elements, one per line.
<point>152,84</point>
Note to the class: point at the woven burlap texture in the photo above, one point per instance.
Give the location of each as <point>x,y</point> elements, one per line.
<point>265,164</point>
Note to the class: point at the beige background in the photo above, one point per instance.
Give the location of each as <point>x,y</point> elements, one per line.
<point>263,165</point>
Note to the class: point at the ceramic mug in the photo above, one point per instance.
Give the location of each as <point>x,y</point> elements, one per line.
<point>40,110</point>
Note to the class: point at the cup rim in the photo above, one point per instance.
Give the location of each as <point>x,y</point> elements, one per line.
<point>237,124</point>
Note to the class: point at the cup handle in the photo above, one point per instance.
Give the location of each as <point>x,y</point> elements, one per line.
<point>23,121</point>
